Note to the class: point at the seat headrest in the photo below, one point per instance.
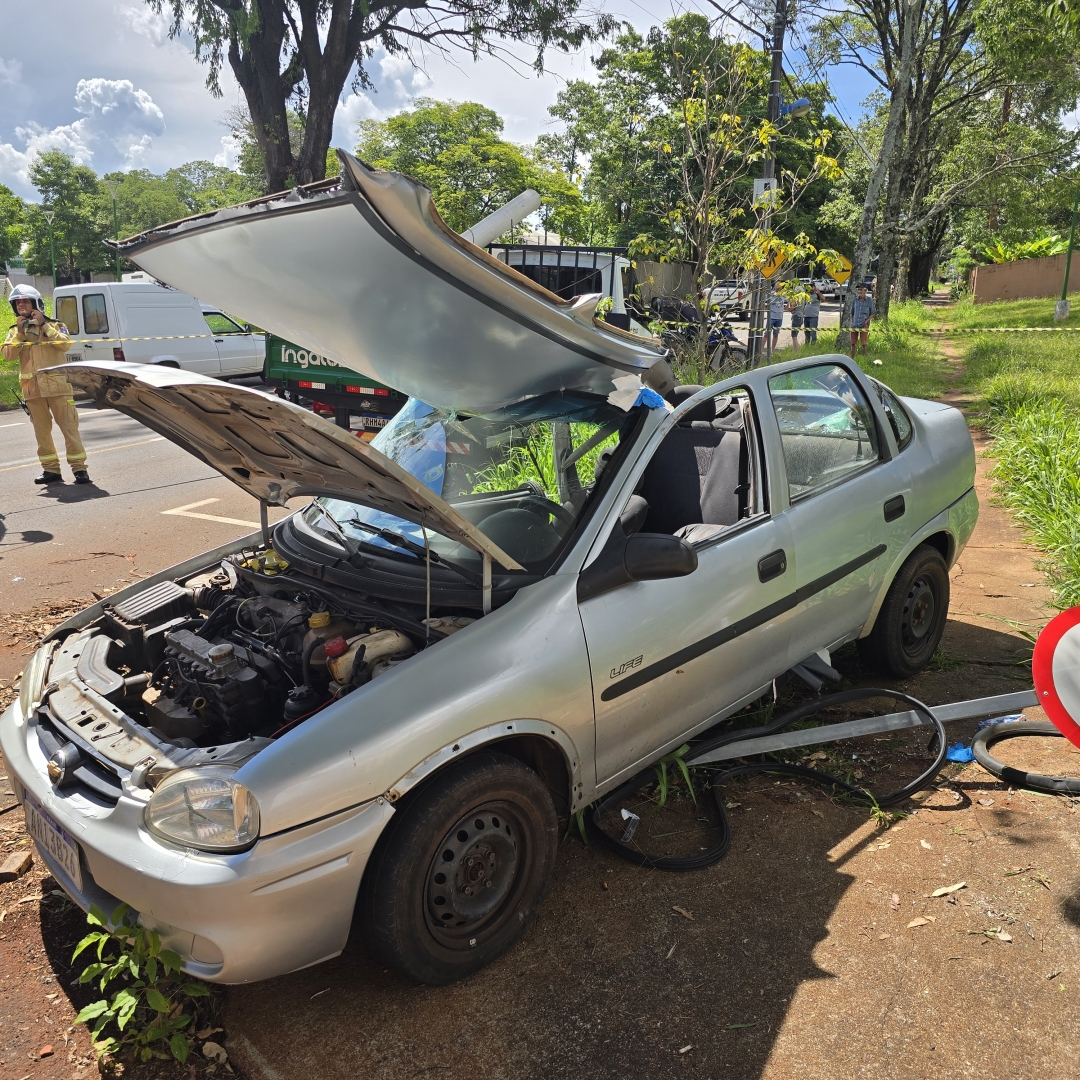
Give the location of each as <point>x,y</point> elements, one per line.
<point>705,412</point>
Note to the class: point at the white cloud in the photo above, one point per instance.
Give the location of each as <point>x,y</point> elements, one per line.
<point>118,121</point>
<point>401,81</point>
<point>230,152</point>
<point>10,72</point>
<point>146,22</point>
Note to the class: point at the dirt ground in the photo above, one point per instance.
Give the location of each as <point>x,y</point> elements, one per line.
<point>813,950</point>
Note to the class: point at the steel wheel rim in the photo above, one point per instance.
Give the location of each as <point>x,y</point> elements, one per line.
<point>476,876</point>
<point>919,615</point>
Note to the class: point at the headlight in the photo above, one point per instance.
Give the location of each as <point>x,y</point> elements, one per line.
<point>204,808</point>
<point>33,680</point>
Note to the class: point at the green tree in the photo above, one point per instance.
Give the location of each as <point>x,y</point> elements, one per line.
<point>457,150</point>
<point>202,186</point>
<point>12,216</point>
<point>81,224</point>
<point>300,53</point>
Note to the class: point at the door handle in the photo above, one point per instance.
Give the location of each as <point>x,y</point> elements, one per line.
<point>894,508</point>
<point>772,565</point>
<point>88,345</point>
<point>219,340</point>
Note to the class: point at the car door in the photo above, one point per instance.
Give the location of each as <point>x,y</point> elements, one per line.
<point>98,326</point>
<point>235,344</point>
<point>847,494</point>
<point>668,655</point>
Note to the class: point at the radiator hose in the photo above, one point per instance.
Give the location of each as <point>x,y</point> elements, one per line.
<point>682,864</point>
<point>992,733</point>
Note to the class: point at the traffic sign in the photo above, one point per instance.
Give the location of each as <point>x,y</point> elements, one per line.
<point>1055,668</point>
<point>776,260</point>
<point>841,270</point>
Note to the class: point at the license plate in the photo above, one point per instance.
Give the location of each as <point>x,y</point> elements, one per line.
<point>53,839</point>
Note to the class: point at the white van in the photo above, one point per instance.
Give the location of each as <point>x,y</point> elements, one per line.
<point>126,320</point>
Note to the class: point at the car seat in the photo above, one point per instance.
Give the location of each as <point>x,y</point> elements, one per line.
<point>699,474</point>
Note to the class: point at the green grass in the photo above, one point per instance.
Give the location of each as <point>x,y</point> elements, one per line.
<point>911,363</point>
<point>1010,313</point>
<point>1026,390</point>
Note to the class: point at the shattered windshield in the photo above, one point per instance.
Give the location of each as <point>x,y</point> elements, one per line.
<point>523,476</point>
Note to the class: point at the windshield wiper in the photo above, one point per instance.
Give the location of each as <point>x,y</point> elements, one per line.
<point>413,548</point>
<point>347,542</point>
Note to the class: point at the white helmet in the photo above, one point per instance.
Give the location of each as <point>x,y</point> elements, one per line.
<point>26,292</point>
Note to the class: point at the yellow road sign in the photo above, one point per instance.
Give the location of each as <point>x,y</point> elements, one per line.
<point>776,260</point>
<point>841,271</point>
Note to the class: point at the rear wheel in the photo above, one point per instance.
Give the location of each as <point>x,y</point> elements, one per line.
<point>461,871</point>
<point>912,619</point>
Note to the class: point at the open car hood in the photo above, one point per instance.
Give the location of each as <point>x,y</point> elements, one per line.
<point>271,448</point>
<point>363,270</point>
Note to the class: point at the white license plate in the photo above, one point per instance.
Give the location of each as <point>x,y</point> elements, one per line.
<point>53,839</point>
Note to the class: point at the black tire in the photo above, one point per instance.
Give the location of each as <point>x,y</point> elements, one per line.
<point>488,828</point>
<point>912,619</point>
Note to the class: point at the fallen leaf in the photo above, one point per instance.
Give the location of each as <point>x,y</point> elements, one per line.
<point>986,802</point>
<point>923,843</point>
<point>671,951</point>
<point>30,899</point>
<point>882,937</point>
<point>215,1052</point>
<point>1054,974</point>
<point>1003,936</point>
<point>950,889</point>
<point>931,918</point>
<point>731,805</point>
<point>682,911</point>
<point>687,1048</point>
<point>917,922</point>
<point>818,812</point>
<point>894,902</point>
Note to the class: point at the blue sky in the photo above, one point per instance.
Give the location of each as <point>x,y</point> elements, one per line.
<point>111,89</point>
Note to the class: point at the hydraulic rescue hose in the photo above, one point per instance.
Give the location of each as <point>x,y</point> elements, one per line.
<point>682,864</point>
<point>992,733</point>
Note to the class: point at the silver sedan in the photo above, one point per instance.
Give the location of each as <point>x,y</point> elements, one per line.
<point>377,714</point>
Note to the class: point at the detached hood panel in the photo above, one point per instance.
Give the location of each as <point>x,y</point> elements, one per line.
<point>271,448</point>
<point>366,273</point>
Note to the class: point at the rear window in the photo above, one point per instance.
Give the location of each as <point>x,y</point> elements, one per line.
<point>67,311</point>
<point>94,318</point>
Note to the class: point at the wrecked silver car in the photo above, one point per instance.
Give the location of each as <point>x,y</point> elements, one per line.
<point>547,571</point>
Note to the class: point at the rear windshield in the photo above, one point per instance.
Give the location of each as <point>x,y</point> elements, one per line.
<point>523,478</point>
<point>67,311</point>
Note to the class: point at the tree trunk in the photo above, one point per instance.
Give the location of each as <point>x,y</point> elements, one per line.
<point>890,230</point>
<point>897,107</point>
<point>258,71</point>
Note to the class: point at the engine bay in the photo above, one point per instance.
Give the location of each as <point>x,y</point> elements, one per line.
<point>221,664</point>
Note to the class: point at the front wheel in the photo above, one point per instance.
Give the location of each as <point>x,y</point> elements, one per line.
<point>912,619</point>
<point>461,870</point>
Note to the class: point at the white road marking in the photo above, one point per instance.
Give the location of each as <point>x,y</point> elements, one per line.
<point>92,450</point>
<point>186,511</point>
<point>2,426</point>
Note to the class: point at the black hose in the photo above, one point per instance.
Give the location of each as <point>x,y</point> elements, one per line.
<point>677,864</point>
<point>992,733</point>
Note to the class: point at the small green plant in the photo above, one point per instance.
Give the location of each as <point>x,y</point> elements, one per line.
<point>150,1007</point>
<point>676,758</point>
<point>884,818</point>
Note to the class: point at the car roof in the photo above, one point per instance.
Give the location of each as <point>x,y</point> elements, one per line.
<point>364,271</point>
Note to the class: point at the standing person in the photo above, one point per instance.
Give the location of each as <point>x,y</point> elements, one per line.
<point>796,323</point>
<point>811,314</point>
<point>862,311</point>
<point>37,342</point>
<point>777,305</point>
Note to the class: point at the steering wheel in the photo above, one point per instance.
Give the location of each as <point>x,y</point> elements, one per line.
<point>550,507</point>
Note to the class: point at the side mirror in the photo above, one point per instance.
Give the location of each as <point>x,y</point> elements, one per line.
<point>641,557</point>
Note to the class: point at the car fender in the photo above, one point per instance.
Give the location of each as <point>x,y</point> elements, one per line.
<point>490,736</point>
<point>527,658</point>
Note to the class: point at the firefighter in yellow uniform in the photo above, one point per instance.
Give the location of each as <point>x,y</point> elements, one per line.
<point>37,342</point>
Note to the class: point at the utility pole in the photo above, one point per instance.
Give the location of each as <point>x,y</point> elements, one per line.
<point>1061,308</point>
<point>48,215</point>
<point>113,188</point>
<point>759,328</point>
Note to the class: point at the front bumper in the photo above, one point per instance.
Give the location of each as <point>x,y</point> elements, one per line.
<point>285,904</point>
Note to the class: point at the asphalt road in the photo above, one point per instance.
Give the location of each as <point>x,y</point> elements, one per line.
<point>150,505</point>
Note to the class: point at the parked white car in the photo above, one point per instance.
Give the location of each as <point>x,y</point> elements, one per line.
<point>147,323</point>
<point>732,298</point>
